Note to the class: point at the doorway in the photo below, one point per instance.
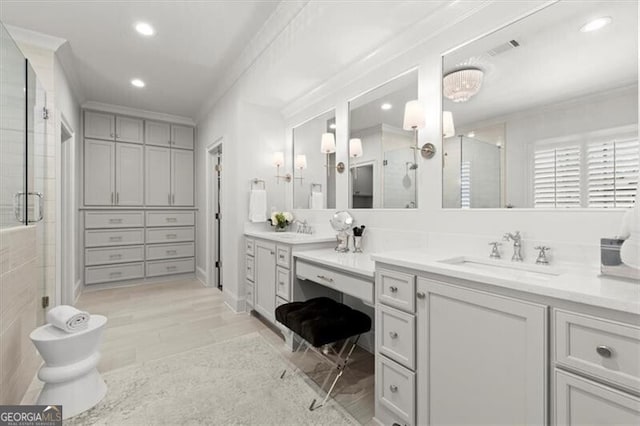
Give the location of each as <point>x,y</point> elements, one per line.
<point>214,215</point>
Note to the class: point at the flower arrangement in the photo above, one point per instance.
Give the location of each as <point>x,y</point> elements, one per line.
<point>281,220</point>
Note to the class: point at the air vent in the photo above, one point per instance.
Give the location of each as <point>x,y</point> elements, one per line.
<point>501,48</point>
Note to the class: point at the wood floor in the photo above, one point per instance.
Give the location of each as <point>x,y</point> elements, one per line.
<point>152,321</point>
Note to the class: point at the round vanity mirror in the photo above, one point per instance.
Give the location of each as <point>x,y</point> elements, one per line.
<point>341,221</point>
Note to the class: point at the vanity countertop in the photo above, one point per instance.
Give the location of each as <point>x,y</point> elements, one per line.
<point>581,285</point>
<point>292,238</point>
<point>355,263</point>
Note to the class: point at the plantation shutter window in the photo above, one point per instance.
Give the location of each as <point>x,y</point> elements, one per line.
<point>556,177</point>
<point>612,173</point>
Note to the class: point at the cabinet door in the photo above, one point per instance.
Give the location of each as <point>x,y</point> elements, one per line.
<point>157,182</point>
<point>99,169</point>
<point>129,130</point>
<point>265,279</point>
<point>482,358</point>
<point>181,177</point>
<point>157,133</point>
<point>182,136</point>
<point>580,401</point>
<point>99,125</point>
<point>129,175</point>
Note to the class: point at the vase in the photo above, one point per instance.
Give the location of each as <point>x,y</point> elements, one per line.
<point>281,228</point>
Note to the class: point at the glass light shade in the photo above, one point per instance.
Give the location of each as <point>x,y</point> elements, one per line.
<point>328,144</point>
<point>355,148</point>
<point>448,129</point>
<point>414,117</point>
<point>461,85</point>
<point>278,159</point>
<point>301,161</point>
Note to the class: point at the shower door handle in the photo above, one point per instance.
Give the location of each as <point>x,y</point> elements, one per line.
<point>40,206</point>
<point>17,205</point>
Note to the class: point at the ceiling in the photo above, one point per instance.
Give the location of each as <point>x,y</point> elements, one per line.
<point>194,57</point>
<point>195,43</point>
<point>555,61</point>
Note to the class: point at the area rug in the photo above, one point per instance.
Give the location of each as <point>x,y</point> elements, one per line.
<point>235,382</point>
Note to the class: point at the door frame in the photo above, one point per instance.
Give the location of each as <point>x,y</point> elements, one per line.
<point>212,150</point>
<point>67,291</point>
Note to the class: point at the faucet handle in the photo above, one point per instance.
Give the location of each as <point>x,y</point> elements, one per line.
<point>495,253</point>
<point>542,255</point>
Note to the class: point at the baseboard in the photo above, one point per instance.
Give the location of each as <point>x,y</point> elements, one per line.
<point>232,301</point>
<point>201,275</point>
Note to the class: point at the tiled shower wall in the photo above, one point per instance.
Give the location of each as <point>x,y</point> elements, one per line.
<point>19,289</point>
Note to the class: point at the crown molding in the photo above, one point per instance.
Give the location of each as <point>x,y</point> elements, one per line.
<point>150,115</point>
<point>34,38</point>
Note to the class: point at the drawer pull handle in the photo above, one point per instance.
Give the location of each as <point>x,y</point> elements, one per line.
<point>172,236</point>
<point>604,351</point>
<point>327,279</point>
<point>115,274</point>
<point>420,295</point>
<point>115,238</point>
<point>393,388</point>
<point>171,268</point>
<point>249,268</point>
<point>281,283</point>
<point>393,289</point>
<point>115,256</point>
<point>115,220</point>
<point>281,256</point>
<point>172,251</point>
<point>172,219</point>
<point>393,334</point>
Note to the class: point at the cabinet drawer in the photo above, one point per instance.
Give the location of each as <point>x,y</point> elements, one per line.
<point>170,218</point>
<point>249,265</point>
<point>169,235</point>
<point>605,349</point>
<point>579,401</point>
<point>250,246</point>
<point>113,220</point>
<point>283,256</point>
<point>283,286</point>
<point>347,284</point>
<point>98,238</point>
<point>105,256</point>
<point>396,289</point>
<point>395,388</point>
<point>104,274</point>
<point>170,251</point>
<point>166,267</point>
<point>396,335</point>
<point>249,299</point>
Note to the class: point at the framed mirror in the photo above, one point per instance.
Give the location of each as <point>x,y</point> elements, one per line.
<point>382,164</point>
<point>543,113</point>
<point>314,163</point>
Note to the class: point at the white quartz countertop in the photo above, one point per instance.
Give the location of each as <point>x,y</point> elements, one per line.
<point>293,238</point>
<point>355,263</point>
<point>581,285</point>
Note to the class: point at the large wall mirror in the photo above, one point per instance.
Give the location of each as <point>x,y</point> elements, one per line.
<point>382,164</point>
<point>545,111</point>
<point>314,163</point>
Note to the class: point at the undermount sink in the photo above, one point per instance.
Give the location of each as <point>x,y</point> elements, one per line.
<point>292,235</point>
<point>503,268</point>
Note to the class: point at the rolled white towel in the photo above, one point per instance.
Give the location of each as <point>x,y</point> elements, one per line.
<point>68,318</point>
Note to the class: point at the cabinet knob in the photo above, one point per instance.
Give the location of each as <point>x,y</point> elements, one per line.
<point>604,351</point>
<point>393,289</point>
<point>393,388</point>
<point>420,295</point>
<point>393,334</point>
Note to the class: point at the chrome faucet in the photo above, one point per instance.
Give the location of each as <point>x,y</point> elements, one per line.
<point>517,245</point>
<point>303,227</point>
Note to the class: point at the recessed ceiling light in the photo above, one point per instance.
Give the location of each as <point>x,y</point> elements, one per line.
<point>386,106</point>
<point>596,24</point>
<point>137,82</point>
<point>332,125</point>
<point>471,134</point>
<point>145,29</point>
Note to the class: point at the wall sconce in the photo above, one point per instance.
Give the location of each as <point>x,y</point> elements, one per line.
<point>448,129</point>
<point>300,164</point>
<point>278,160</point>
<point>414,119</point>
<point>328,146</point>
<point>355,151</point>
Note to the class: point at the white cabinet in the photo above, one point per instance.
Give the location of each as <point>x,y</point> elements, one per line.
<point>481,357</point>
<point>181,177</point>
<point>99,125</point>
<point>157,133</point>
<point>265,279</point>
<point>157,176</point>
<point>182,136</point>
<point>169,177</point>
<point>99,172</point>
<point>112,174</point>
<point>129,129</point>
